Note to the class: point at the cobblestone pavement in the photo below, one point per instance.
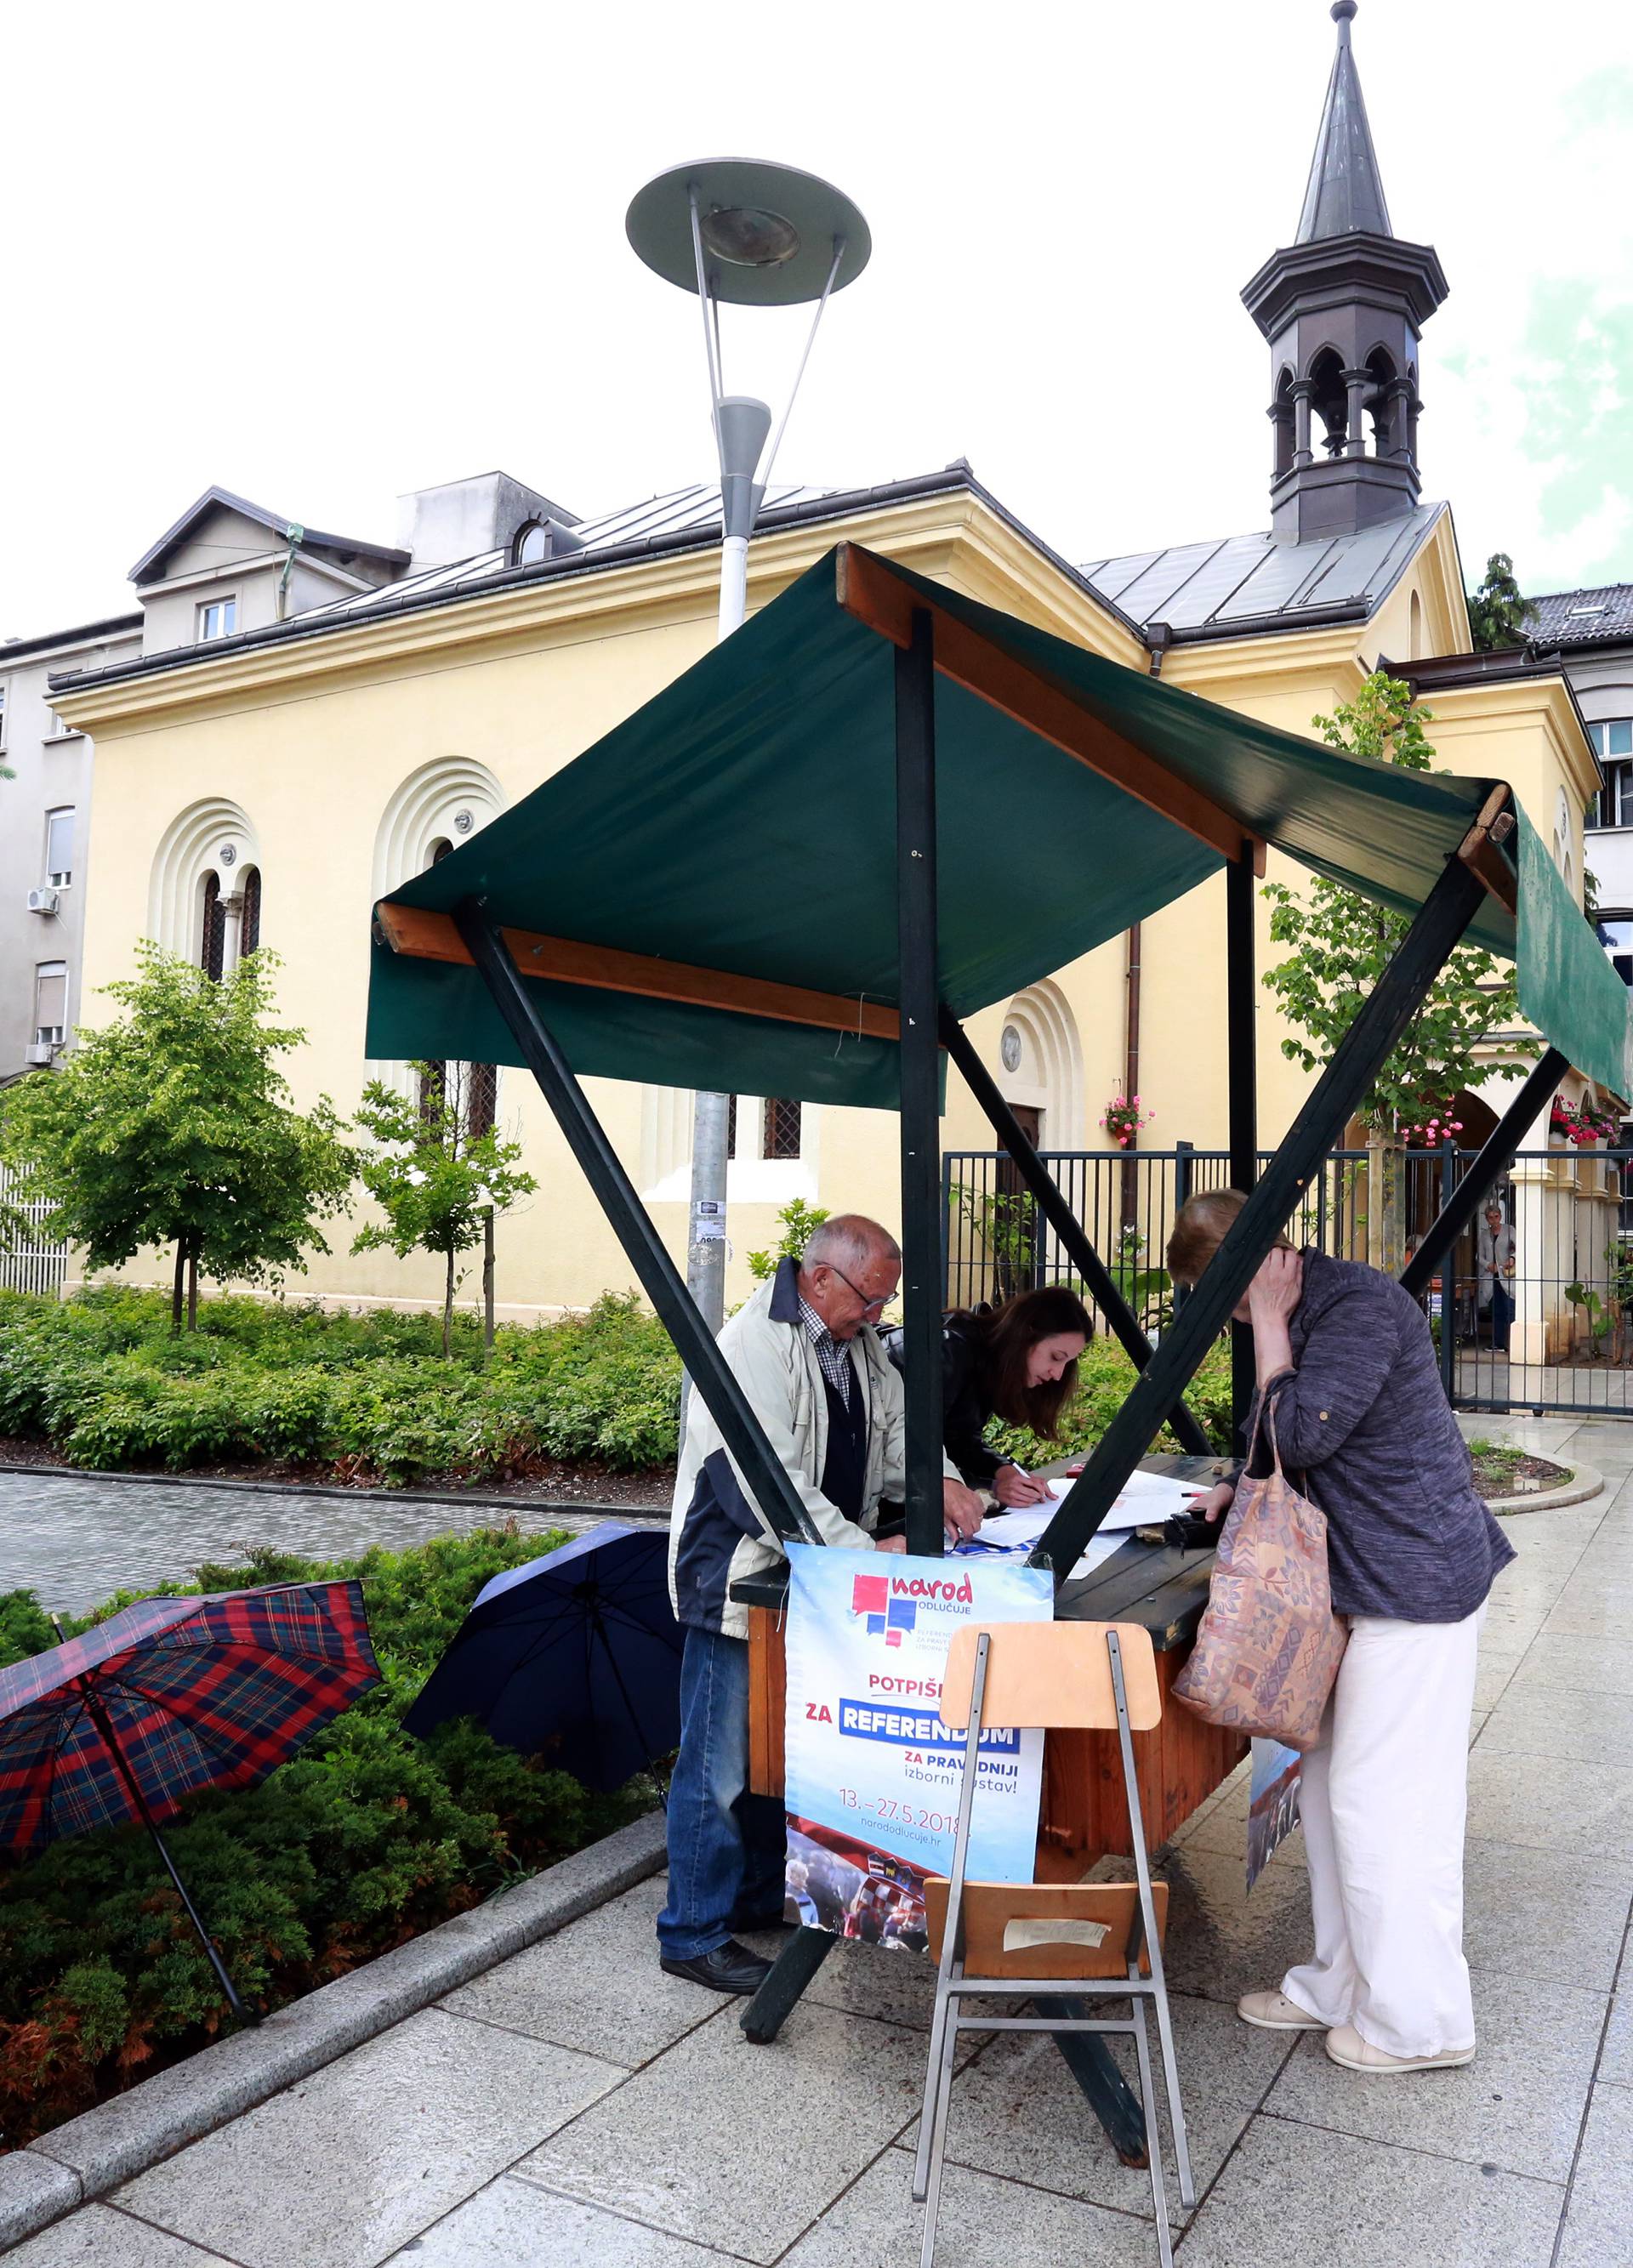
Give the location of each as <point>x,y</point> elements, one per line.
<point>575,2106</point>
<point>77,1541</point>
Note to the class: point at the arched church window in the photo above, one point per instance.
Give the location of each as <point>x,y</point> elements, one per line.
<point>1382,405</point>
<point>1282,418</point>
<point>249,920</point>
<point>212,928</point>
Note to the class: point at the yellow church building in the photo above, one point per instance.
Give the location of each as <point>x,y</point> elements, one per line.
<point>324,759</point>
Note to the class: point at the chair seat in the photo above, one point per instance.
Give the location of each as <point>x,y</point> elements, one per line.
<point>990,1941</point>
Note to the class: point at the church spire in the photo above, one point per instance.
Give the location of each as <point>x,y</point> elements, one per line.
<point>1342,310</point>
<point>1345,189</point>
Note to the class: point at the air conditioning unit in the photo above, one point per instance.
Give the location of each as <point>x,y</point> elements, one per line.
<point>44,901</point>
<point>39,1051</point>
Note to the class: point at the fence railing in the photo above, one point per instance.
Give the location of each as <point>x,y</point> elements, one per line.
<point>31,1262</point>
<point>1552,1327</point>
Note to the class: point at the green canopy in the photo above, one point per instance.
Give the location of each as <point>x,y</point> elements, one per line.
<point>744,822</point>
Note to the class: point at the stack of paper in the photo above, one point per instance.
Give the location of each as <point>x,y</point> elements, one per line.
<point>1147,1501</point>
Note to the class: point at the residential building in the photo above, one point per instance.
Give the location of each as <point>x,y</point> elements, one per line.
<point>1590,632</point>
<point>341,748</point>
<point>226,566</point>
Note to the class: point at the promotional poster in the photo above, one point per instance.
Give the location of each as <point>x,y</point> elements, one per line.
<point>1272,1803</point>
<point>873,1775</point>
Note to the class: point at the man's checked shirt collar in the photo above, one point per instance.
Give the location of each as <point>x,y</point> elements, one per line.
<point>835,1360</point>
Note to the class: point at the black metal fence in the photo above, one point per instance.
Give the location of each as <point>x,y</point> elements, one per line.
<point>1533,1312</point>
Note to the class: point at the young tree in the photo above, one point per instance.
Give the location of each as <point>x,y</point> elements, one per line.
<point>172,1125</point>
<point>1341,943</point>
<point>439,1186</point>
<point>1497,614</point>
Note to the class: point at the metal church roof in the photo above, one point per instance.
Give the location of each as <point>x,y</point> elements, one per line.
<point>1242,584</point>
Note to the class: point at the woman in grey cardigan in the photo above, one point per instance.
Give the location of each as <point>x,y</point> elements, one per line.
<point>1348,1377</point>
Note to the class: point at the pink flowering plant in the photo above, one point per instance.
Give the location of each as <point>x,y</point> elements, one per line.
<point>1581,1126</point>
<point>1123,1118</point>
<point>1439,1126</point>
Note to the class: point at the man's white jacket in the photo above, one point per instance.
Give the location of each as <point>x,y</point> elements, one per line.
<point>717,1534</point>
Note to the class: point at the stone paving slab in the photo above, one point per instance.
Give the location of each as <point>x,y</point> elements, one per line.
<point>102,2237</point>
<point>1545,1914</point>
<point>1551,1802</point>
<point>338,2172</point>
<point>1015,2112</point>
<point>515,2223</point>
<point>985,2223</point>
<point>1598,2225</point>
<point>1518,2106</point>
<point>1295,2193</point>
<point>741,2147</point>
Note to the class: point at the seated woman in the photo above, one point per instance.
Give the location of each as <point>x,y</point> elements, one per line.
<point>1017,1362</point>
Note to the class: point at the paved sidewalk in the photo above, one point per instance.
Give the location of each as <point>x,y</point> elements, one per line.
<point>574,2106</point>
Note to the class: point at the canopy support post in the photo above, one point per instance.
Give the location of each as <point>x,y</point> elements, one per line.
<point>920,1081</point>
<point>1441,920</point>
<point>1050,1201</point>
<point>1244,1096</point>
<point>1459,1208</point>
<point>740,1429</point>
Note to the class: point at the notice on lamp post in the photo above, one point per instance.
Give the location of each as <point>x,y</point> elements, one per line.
<point>872,1775</point>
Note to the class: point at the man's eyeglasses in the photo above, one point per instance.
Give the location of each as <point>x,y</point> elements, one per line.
<point>869,1306</point>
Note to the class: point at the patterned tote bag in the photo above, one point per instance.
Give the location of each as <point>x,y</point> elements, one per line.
<point>1269,1644</point>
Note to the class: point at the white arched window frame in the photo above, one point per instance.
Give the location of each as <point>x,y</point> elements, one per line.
<point>1041,1063</point>
<point>212,838</point>
<point>446,800</point>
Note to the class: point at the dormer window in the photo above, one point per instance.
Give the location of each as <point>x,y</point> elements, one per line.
<point>532,544</point>
<point>218,618</point>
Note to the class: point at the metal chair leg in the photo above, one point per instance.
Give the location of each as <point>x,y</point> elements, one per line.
<point>938,2144</point>
<point>941,2026</point>
<point>1148,2098</point>
<point>1170,2081</point>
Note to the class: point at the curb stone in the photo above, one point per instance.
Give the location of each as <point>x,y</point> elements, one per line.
<point>1585,1481</point>
<point>119,2139</point>
<point>563,1514</point>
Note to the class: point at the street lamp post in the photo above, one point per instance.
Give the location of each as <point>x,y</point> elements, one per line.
<point>740,233</point>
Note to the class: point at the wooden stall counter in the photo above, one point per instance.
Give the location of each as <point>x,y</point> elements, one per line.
<point>1084,1817</point>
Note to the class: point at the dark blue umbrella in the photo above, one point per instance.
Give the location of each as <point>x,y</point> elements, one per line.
<point>576,1655</point>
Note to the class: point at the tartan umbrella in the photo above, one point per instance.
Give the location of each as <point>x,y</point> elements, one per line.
<point>167,1698</point>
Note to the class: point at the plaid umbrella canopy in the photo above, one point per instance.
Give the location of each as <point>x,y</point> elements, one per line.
<point>167,1698</point>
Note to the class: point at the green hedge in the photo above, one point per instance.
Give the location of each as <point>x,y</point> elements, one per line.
<point>361,1841</point>
<point>101,1377</point>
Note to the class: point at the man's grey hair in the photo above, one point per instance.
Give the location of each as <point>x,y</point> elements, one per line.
<point>850,1242</point>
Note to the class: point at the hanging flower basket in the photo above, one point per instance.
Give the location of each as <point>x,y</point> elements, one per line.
<point>1579,1128</point>
<point>1123,1117</point>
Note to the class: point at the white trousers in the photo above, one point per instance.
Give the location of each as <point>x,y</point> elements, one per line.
<point>1384,1798</point>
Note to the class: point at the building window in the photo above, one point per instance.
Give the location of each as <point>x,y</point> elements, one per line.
<point>481,1099</point>
<point>474,1086</point>
<point>4,690</point>
<point>60,729</point>
<point>1616,934</point>
<point>218,618</point>
<point>532,544</point>
<point>731,1126</point>
<point>1612,744</point>
<point>212,928</point>
<point>781,1128</point>
<point>59,848</point>
<point>249,917</point>
<point>50,1004</point>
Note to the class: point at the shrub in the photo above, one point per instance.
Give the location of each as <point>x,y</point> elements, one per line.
<point>363,1840</point>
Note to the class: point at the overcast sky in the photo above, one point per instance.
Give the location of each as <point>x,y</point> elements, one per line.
<point>323,254</point>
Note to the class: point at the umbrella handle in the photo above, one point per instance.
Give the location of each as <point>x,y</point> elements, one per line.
<point>104,1724</point>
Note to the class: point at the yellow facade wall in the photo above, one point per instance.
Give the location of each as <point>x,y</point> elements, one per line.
<point>314,738</point>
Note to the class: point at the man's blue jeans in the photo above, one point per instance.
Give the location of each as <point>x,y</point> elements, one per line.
<point>726,1846</point>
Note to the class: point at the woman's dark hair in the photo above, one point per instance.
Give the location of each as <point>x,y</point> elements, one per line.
<point>1008,1336</point>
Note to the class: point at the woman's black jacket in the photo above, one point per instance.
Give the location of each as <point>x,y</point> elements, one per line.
<point>966,1408</point>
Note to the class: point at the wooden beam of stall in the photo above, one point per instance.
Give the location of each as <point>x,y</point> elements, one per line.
<point>426,936</point>
<point>869,593</point>
<point>1479,849</point>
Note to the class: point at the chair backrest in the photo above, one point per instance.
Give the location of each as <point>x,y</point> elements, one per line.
<point>1077,1929</point>
<point>1053,1673</point>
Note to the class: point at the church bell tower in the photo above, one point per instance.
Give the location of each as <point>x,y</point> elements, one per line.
<point>1344,308</point>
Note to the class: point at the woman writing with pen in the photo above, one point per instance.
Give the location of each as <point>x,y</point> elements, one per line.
<point>1017,1362</point>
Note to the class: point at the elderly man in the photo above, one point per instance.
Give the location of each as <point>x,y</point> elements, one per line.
<point>806,1352</point>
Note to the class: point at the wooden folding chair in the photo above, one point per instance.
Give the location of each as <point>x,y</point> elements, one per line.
<point>1049,1939</point>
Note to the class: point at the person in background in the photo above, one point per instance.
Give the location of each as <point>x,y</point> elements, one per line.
<point>1346,1376</point>
<point>1494,1260</point>
<point>1017,1362</point>
<point>805,1350</point>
